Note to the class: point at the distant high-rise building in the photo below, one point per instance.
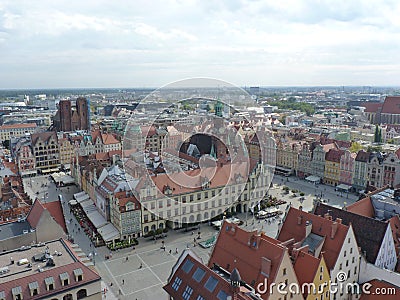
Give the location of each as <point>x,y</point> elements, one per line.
<point>69,118</point>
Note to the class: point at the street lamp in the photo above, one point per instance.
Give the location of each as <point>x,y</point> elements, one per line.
<point>92,255</point>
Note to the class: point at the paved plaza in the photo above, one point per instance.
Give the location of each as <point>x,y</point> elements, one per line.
<point>147,268</point>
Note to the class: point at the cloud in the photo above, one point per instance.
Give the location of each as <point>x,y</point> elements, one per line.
<point>141,43</point>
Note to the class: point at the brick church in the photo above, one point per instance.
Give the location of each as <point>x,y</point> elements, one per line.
<point>71,117</point>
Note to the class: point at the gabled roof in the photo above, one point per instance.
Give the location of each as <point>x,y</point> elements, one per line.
<point>363,207</point>
<point>247,251</point>
<point>56,211</point>
<point>306,266</point>
<point>54,208</point>
<point>369,240</point>
<point>35,213</point>
<point>320,226</point>
<point>109,139</point>
<point>362,156</point>
<point>334,155</point>
<point>391,105</point>
<point>44,136</point>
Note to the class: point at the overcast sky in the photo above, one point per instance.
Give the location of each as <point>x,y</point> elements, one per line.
<point>49,44</point>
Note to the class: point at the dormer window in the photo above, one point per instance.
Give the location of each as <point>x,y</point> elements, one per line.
<point>34,288</point>
<point>64,277</point>
<point>17,293</point>
<point>50,285</point>
<point>78,273</point>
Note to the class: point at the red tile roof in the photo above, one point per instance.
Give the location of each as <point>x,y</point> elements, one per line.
<point>35,213</point>
<point>56,211</point>
<point>323,227</point>
<point>363,156</point>
<point>384,286</point>
<point>395,226</point>
<point>362,207</point>
<point>109,139</point>
<point>44,136</point>
<point>306,266</point>
<point>369,241</point>
<point>391,105</point>
<point>372,107</point>
<point>246,251</point>
<point>15,126</point>
<point>334,155</point>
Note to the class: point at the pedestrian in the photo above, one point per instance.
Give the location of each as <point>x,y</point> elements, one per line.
<point>127,258</point>
<point>123,281</point>
<point>170,251</point>
<point>140,266</point>
<point>176,250</point>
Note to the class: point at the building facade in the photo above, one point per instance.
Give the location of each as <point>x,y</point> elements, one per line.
<point>69,118</point>
<point>16,130</point>
<point>46,150</point>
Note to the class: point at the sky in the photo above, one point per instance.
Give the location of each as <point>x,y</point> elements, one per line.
<point>67,44</point>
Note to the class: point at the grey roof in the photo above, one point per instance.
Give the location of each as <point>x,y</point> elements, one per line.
<point>313,241</point>
<point>12,229</point>
<point>368,231</point>
<point>235,276</point>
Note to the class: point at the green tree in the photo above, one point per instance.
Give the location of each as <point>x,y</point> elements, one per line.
<point>376,134</point>
<point>355,147</point>
<point>6,144</point>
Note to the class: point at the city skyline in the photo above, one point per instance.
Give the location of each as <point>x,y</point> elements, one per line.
<point>109,44</point>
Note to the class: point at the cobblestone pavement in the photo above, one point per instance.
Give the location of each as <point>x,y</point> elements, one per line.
<point>140,273</point>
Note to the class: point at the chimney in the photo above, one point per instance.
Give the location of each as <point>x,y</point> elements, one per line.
<point>328,216</point>
<point>308,227</point>
<point>334,229</point>
<point>339,220</point>
<point>299,220</point>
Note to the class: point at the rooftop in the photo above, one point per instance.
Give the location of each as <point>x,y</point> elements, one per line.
<point>39,265</point>
<point>18,271</point>
<point>9,230</point>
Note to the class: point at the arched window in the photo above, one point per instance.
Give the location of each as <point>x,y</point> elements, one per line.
<point>81,294</point>
<point>68,297</point>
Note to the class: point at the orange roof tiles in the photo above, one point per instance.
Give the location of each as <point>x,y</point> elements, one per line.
<point>395,227</point>
<point>383,286</point>
<point>362,207</point>
<point>15,126</point>
<point>109,139</point>
<point>305,266</point>
<point>189,181</point>
<point>56,211</point>
<point>320,226</point>
<point>237,248</point>
<point>35,213</point>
